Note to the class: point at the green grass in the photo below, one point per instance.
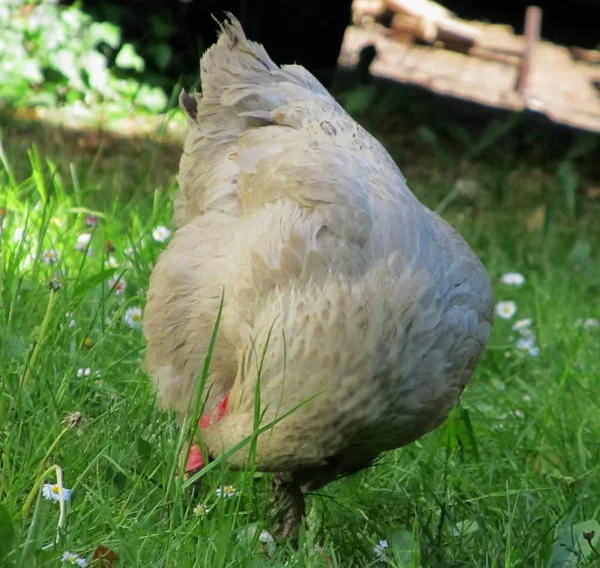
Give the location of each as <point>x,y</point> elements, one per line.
<point>515,465</point>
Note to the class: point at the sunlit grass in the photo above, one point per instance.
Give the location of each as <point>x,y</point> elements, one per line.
<point>518,461</point>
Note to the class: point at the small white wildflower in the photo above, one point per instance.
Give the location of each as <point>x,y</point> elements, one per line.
<point>73,559</point>
<point>161,234</point>
<point>50,256</point>
<point>133,317</point>
<point>226,491</point>
<point>27,262</point>
<point>526,398</point>
<point>506,310</point>
<point>526,344</point>
<point>119,286</point>
<point>498,384</point>
<point>380,548</point>
<point>466,187</point>
<point>519,414</point>
<point>84,372</point>
<point>523,325</point>
<point>83,241</point>
<point>588,323</point>
<point>18,235</point>
<point>264,537</point>
<point>112,262</point>
<point>129,252</point>
<point>513,279</point>
<point>201,510</point>
<point>51,492</point>
<point>72,323</point>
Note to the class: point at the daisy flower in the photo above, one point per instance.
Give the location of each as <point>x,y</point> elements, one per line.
<point>380,548</point>
<point>50,256</point>
<point>84,372</point>
<point>83,241</point>
<point>227,491</point>
<point>73,559</point>
<point>112,262</point>
<point>118,285</point>
<point>161,234</point>
<point>506,310</point>
<point>522,325</point>
<point>527,344</point>
<point>133,317</point>
<point>201,510</point>
<point>513,279</point>
<point>51,492</point>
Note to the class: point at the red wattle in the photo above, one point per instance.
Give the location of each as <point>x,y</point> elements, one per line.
<point>194,460</point>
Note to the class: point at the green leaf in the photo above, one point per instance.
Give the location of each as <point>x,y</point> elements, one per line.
<point>573,544</point>
<point>127,58</point>
<point>161,53</point>
<point>7,532</point>
<point>359,99</point>
<point>104,32</point>
<point>93,280</point>
<point>144,449</point>
<point>152,98</point>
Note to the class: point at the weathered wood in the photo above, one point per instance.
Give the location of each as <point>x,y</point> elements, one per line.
<point>558,86</point>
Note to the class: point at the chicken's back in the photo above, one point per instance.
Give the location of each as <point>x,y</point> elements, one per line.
<point>337,282</point>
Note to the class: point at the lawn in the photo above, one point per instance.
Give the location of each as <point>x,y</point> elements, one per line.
<point>511,480</point>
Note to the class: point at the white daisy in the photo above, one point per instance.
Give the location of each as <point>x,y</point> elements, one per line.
<point>84,372</point>
<point>51,492</point>
<point>112,262</point>
<point>73,559</point>
<point>506,310</point>
<point>380,548</point>
<point>161,234</point>
<point>18,235</point>
<point>513,279</point>
<point>118,286</point>
<point>133,317</point>
<point>527,344</point>
<point>226,491</point>
<point>83,240</point>
<point>523,326</point>
<point>588,323</point>
<point>201,510</point>
<point>50,256</point>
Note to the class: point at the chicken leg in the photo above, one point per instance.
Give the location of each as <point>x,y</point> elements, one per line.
<point>289,505</point>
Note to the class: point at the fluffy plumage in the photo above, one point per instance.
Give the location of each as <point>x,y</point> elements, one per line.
<point>373,306</point>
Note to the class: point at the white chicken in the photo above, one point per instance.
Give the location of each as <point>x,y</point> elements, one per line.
<point>362,313</point>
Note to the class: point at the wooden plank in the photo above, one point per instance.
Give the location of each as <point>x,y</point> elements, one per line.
<point>558,86</point>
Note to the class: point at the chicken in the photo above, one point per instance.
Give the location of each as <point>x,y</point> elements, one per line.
<point>354,312</point>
